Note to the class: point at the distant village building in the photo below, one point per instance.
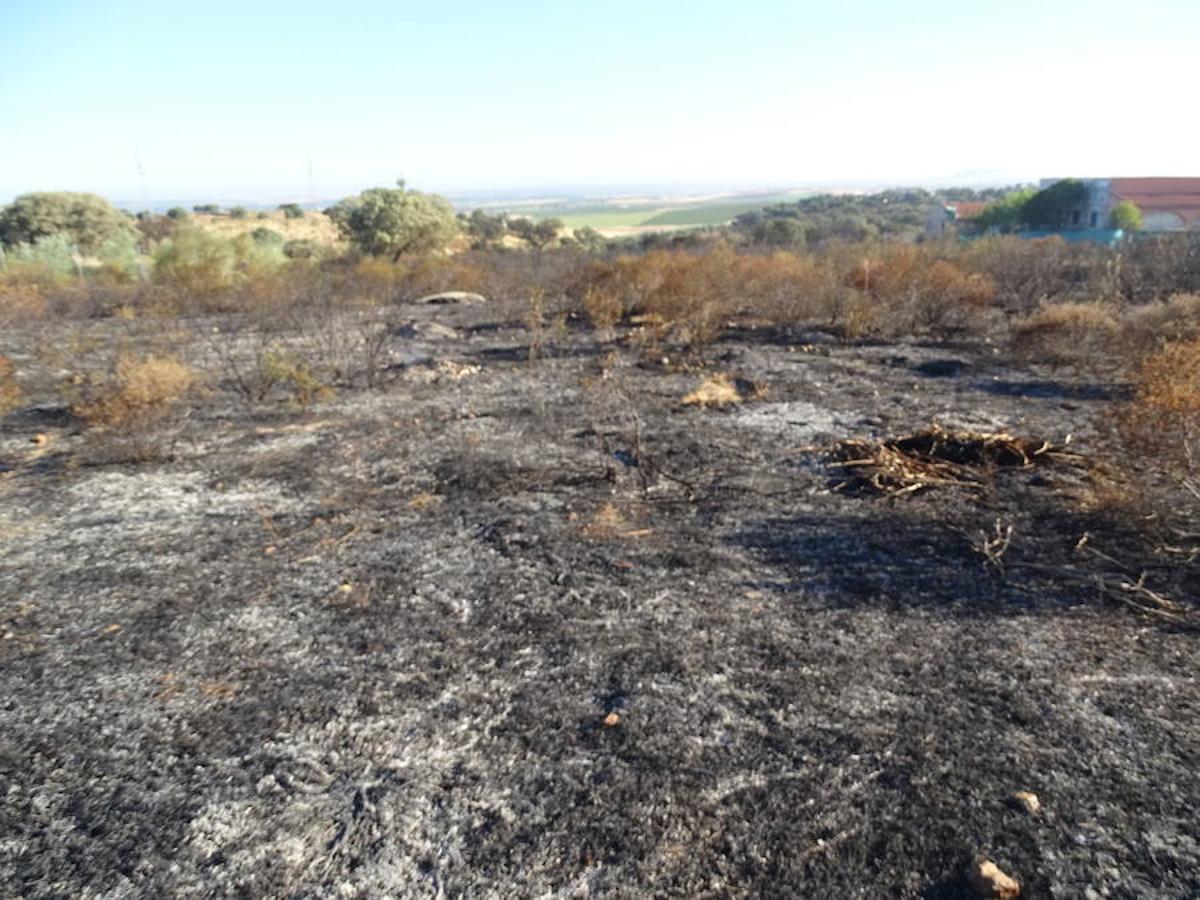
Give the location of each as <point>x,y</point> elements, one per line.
<point>948,218</point>
<point>1167,204</point>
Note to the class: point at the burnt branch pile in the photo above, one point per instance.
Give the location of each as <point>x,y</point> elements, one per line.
<point>935,456</point>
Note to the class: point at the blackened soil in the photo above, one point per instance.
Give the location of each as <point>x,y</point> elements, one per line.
<point>540,630</point>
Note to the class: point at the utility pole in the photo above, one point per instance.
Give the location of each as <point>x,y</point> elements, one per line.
<point>137,161</point>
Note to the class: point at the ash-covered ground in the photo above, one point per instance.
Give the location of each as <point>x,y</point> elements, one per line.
<point>501,628</point>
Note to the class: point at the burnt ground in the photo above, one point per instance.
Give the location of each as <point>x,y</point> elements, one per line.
<point>375,649</point>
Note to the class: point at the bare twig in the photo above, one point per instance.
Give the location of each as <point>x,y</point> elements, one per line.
<point>993,547</point>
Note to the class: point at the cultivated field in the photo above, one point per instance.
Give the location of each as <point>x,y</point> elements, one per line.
<point>621,217</point>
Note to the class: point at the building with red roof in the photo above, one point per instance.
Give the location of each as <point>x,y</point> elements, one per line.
<point>1167,204</point>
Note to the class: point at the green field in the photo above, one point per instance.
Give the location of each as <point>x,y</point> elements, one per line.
<point>609,217</point>
<point>679,215</point>
<point>714,214</point>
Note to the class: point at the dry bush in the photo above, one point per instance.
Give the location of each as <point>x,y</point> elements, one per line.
<point>1154,268</point>
<point>313,332</point>
<point>1162,422</point>
<point>699,296</point>
<point>1080,334</point>
<point>544,319</point>
<point>687,295</point>
<point>949,299</point>
<point>303,386</point>
<point>434,274</point>
<point>377,271</point>
<point>603,307</point>
<point>1151,325</point>
<point>616,288</point>
<point>916,292</point>
<point>857,318</point>
<point>787,288</point>
<point>1030,273</point>
<point>10,388</point>
<point>138,392</point>
<point>21,300</point>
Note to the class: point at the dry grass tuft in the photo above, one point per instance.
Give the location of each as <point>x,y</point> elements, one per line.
<point>137,392</point>
<point>1066,333</point>
<point>609,522</point>
<point>425,500</point>
<point>724,390</point>
<point>1163,420</point>
<point>10,389</point>
<point>935,456</point>
<point>606,521</point>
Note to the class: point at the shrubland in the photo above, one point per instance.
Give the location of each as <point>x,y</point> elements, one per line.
<point>299,321</point>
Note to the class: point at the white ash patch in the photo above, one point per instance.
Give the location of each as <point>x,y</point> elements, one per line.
<point>283,443</point>
<point>136,504</point>
<point>796,419</point>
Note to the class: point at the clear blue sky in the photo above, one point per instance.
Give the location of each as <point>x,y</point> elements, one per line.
<point>229,100</point>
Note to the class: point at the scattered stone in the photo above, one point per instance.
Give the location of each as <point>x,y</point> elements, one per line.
<point>40,438</point>
<point>452,297</point>
<point>987,880</point>
<point>1028,801</point>
<point>612,720</point>
<point>456,371</point>
<point>426,330</point>
<point>437,330</point>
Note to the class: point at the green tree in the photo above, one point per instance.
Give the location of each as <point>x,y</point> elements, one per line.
<point>302,248</point>
<point>536,234</point>
<point>485,229</point>
<point>590,239</point>
<point>780,232</point>
<point>238,212</point>
<point>1004,214</point>
<point>120,253</point>
<point>85,219</point>
<point>178,213</point>
<point>155,229</point>
<point>291,210</point>
<point>1126,216</point>
<point>395,221</point>
<point>196,261</point>
<point>1051,207</point>
<point>52,255</point>
<point>211,209</point>
<point>267,236</point>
